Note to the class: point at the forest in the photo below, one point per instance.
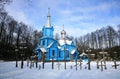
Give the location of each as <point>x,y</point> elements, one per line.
<point>106,39</point>
<point>13,34</point>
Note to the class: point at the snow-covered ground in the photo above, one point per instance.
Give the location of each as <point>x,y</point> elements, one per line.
<point>9,71</point>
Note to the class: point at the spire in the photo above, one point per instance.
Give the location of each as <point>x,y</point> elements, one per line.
<point>48,19</point>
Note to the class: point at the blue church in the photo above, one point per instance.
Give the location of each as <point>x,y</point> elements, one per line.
<point>51,49</point>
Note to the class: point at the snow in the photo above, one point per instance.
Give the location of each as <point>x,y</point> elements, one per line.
<point>73,51</point>
<point>43,49</point>
<point>83,54</point>
<point>59,47</point>
<point>68,42</point>
<point>9,71</point>
<point>62,42</point>
<point>50,44</point>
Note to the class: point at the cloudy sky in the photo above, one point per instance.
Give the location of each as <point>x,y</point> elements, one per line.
<point>79,17</point>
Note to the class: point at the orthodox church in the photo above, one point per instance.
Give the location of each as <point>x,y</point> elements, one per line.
<point>51,49</point>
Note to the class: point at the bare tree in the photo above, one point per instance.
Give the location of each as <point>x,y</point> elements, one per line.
<point>3,16</point>
<point>11,29</point>
<point>118,34</point>
<point>110,34</point>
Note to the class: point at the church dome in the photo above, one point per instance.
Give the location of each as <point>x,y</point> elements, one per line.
<point>63,39</point>
<point>63,32</point>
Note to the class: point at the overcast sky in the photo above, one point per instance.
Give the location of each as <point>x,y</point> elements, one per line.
<point>79,17</point>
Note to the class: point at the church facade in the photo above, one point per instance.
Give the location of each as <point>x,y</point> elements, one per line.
<point>51,49</point>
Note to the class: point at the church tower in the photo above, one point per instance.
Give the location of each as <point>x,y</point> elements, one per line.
<point>48,29</point>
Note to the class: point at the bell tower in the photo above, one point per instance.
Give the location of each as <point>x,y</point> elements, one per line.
<point>48,29</point>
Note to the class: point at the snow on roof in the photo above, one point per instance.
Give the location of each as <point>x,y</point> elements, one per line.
<point>64,49</point>
<point>83,54</point>
<point>59,47</point>
<point>43,49</point>
<point>62,42</point>
<point>73,51</point>
<point>50,44</point>
<point>69,42</point>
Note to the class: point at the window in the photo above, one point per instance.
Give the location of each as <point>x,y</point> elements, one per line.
<point>53,52</point>
<point>43,42</point>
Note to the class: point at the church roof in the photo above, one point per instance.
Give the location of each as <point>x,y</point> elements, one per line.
<point>59,47</point>
<point>66,41</point>
<point>73,51</point>
<point>43,49</point>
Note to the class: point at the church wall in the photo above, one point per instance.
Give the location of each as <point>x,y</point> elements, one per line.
<point>48,55</point>
<point>39,55</point>
<point>41,42</point>
<point>53,53</point>
<point>53,46</point>
<point>49,41</point>
<point>44,42</point>
<point>47,32</point>
<point>65,55</point>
